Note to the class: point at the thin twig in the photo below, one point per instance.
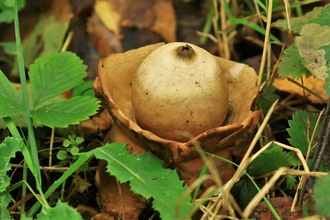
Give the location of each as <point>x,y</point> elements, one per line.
<point>319,151</point>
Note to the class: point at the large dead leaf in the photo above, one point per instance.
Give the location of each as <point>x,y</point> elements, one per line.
<point>155,15</point>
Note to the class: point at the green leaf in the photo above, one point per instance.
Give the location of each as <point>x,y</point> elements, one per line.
<point>61,154</point>
<point>9,47</point>
<point>147,177</point>
<point>312,46</point>
<point>79,140</point>
<point>5,198</point>
<point>46,38</point>
<point>327,86</point>
<point>6,10</point>
<point>84,89</point>
<point>11,102</point>
<point>321,196</point>
<point>54,74</point>
<point>297,23</point>
<point>323,19</point>
<point>60,211</point>
<point>244,191</point>
<point>268,97</point>
<point>290,182</point>
<point>66,143</point>
<point>291,63</point>
<point>301,128</point>
<point>8,149</point>
<point>66,112</point>
<point>270,160</point>
<point>74,150</point>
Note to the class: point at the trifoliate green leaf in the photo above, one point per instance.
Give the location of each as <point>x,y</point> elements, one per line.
<point>321,196</point>
<point>147,177</point>
<point>270,160</point>
<point>8,149</point>
<point>291,63</point>
<point>66,112</point>
<point>60,211</point>
<point>11,102</point>
<point>51,75</point>
<point>301,129</point>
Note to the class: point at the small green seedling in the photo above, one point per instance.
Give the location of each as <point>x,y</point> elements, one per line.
<point>72,149</point>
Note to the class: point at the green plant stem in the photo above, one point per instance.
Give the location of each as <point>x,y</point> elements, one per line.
<point>31,137</point>
<point>24,183</point>
<point>24,186</point>
<point>73,168</point>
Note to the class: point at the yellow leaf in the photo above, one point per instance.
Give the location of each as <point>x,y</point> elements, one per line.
<point>312,83</point>
<point>109,14</point>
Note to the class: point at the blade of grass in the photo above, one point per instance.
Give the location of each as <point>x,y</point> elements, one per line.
<point>73,168</point>
<point>31,137</point>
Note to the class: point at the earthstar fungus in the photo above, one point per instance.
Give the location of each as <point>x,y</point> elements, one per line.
<point>117,85</point>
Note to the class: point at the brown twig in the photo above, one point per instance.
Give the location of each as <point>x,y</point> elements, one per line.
<point>319,151</point>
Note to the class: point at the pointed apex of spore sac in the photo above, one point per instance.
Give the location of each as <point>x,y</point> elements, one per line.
<point>185,52</point>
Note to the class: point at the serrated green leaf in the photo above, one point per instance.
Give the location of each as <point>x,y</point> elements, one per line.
<point>20,119</point>
<point>8,149</point>
<point>290,182</point>
<point>53,74</point>
<point>301,128</point>
<point>46,38</point>
<point>270,160</point>
<point>291,63</point>
<point>243,191</point>
<point>321,196</point>
<point>11,102</point>
<point>60,211</point>
<point>297,23</point>
<point>66,112</point>
<point>147,177</point>
<point>5,198</point>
